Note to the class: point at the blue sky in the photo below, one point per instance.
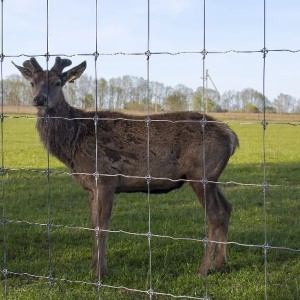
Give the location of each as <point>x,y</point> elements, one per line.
<point>175,26</point>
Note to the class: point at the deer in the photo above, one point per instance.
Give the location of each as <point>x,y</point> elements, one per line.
<point>111,152</point>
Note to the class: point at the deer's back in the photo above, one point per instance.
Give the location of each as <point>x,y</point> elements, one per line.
<point>166,145</point>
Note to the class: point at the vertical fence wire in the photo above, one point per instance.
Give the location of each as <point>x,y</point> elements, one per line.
<point>96,174</point>
<point>96,55</point>
<point>4,270</point>
<point>148,175</point>
<point>48,120</point>
<point>206,242</point>
<point>264,127</point>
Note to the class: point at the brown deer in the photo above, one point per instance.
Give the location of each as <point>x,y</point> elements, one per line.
<point>110,152</point>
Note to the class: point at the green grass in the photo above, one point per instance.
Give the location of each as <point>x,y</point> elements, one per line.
<point>29,196</point>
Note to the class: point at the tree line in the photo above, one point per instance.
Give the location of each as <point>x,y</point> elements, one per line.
<point>135,93</point>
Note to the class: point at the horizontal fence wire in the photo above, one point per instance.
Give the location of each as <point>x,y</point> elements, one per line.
<point>149,53</point>
<point>11,115</point>
<point>146,234</point>
<point>225,183</point>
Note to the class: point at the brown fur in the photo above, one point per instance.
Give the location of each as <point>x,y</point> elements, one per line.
<point>182,146</point>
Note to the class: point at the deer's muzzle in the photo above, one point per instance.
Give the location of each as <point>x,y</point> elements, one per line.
<point>40,100</point>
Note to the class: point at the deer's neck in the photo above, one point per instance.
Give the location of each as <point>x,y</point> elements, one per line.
<point>60,132</point>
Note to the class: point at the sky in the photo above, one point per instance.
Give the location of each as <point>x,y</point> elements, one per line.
<point>73,28</point>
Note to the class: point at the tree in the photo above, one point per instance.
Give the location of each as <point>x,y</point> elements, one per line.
<point>85,85</point>
<point>136,93</point>
<point>176,101</point>
<point>251,98</point>
<point>102,92</point>
<point>197,99</point>
<point>159,92</point>
<point>70,93</point>
<point>251,108</point>
<point>228,100</point>
<point>211,100</point>
<point>88,101</point>
<point>16,91</point>
<point>297,106</point>
<point>284,103</point>
<point>112,88</point>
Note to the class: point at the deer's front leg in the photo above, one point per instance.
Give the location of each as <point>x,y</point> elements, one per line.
<point>101,207</point>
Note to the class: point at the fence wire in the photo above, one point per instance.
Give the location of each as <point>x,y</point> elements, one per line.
<point>150,292</point>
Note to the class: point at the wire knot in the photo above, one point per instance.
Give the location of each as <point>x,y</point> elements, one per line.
<point>265,51</point>
<point>203,121</point>
<point>51,278</point>
<point>96,175</point>
<point>148,178</point>
<point>148,121</point>
<point>49,225</point>
<point>99,285</point>
<point>150,292</point>
<point>204,53</point>
<point>205,242</point>
<point>149,235</point>
<point>2,170</point>
<point>265,186</point>
<point>264,124</point>
<point>148,54</point>
<point>47,120</point>
<point>47,55</point>
<point>97,230</point>
<point>96,119</point>
<point>96,55</point>
<point>266,247</point>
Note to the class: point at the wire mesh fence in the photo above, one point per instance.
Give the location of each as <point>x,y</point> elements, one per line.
<point>45,220</point>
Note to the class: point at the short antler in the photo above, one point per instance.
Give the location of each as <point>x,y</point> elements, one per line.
<point>60,64</point>
<point>32,65</point>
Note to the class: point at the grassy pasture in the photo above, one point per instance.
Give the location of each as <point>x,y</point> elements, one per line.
<point>29,196</point>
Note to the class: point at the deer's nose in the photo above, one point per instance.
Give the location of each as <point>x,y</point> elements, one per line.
<point>40,100</point>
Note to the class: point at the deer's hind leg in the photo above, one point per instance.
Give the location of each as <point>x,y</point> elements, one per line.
<point>224,216</point>
<point>218,211</point>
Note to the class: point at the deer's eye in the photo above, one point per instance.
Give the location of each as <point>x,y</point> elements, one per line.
<point>57,83</point>
<point>32,84</point>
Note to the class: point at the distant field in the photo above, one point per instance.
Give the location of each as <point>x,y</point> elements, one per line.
<point>19,109</point>
<point>29,200</point>
<point>221,116</point>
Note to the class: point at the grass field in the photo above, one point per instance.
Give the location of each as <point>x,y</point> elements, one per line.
<point>27,248</point>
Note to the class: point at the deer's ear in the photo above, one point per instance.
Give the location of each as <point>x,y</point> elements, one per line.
<point>26,73</point>
<point>74,73</point>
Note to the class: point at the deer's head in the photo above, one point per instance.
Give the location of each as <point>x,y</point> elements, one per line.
<point>47,85</point>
